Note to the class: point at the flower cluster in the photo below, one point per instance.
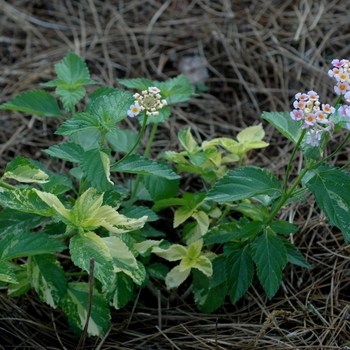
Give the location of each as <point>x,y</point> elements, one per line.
<point>341,73</point>
<point>149,101</point>
<point>314,115</point>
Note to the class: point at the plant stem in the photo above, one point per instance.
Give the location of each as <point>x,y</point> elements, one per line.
<point>287,195</point>
<point>137,141</point>
<point>291,159</point>
<point>146,153</point>
<point>150,140</point>
<point>7,186</point>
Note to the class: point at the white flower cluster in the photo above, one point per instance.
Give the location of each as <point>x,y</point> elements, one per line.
<point>149,101</point>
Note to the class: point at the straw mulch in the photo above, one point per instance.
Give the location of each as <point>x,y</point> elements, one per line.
<point>258,54</point>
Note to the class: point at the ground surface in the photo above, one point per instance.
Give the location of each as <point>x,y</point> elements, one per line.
<point>259,54</point>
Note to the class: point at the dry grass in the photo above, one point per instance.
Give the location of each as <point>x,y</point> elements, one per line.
<point>259,54</point>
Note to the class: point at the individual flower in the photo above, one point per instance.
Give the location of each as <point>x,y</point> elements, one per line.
<point>153,90</point>
<point>333,72</point>
<point>310,119</point>
<point>301,97</point>
<point>313,95</point>
<point>134,110</point>
<point>321,117</point>
<point>339,63</point>
<point>341,88</point>
<point>327,108</point>
<point>296,114</point>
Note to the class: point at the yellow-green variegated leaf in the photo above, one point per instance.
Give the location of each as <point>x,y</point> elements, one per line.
<point>175,252</point>
<point>204,264</point>
<point>52,201</point>
<point>122,257</point>
<point>6,273</point>
<point>144,246</point>
<point>251,133</point>
<point>22,170</point>
<point>187,140</point>
<point>85,211</point>
<point>75,305</point>
<point>195,249</point>
<point>175,277</point>
<point>89,245</point>
<point>230,158</point>
<point>203,221</point>
<point>182,214</point>
<point>118,223</point>
<point>47,278</point>
<point>124,260</point>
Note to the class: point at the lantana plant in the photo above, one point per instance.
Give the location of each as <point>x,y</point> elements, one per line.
<point>107,226</point>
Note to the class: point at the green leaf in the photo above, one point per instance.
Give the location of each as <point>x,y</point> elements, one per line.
<point>208,298</point>
<point>270,257</point>
<point>138,211</point>
<point>36,102</point>
<point>222,233</point>
<point>6,273</point>
<point>95,164</point>
<point>111,108</point>
<point>75,305</point>
<point>25,200</point>
<point>12,221</point>
<point>70,96</point>
<point>136,164</point>
<point>22,170</point>
<point>121,140</point>
<point>245,183</point>
<point>80,121</point>
<point>284,124</point>
<point>105,90</point>
<point>137,83</point>
<point>239,269</point>
<point>28,243</point>
<point>158,270</point>
<point>294,256</point>
<point>160,188</point>
<point>123,292</point>
<point>58,184</point>
<point>283,227</point>
<point>177,89</point>
<point>88,139</point>
<point>85,246</point>
<point>69,151</point>
<point>330,187</point>
<point>73,70</point>
<point>47,277</point>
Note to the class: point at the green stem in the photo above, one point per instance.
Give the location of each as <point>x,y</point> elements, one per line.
<point>7,186</point>
<point>286,195</point>
<point>146,153</point>
<point>291,159</point>
<point>137,141</point>
<point>150,140</point>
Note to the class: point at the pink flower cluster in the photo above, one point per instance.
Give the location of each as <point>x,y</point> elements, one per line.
<point>314,115</point>
<point>341,73</point>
